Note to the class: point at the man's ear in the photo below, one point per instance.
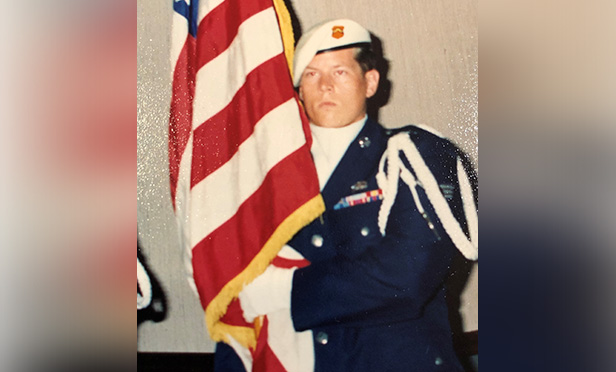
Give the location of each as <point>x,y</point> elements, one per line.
<point>372,80</point>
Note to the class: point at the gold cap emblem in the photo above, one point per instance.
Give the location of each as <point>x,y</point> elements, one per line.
<point>337,32</point>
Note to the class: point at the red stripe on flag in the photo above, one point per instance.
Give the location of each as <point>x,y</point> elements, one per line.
<point>218,29</point>
<point>227,251</point>
<point>289,263</point>
<point>180,120</point>
<point>217,140</point>
<point>234,315</point>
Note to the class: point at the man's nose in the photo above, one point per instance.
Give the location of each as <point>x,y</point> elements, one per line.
<point>326,83</point>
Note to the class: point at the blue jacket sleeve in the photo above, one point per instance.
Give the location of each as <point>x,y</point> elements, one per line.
<point>374,279</point>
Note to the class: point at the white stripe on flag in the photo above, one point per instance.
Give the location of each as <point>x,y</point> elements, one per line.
<point>179,32</point>
<point>205,7</point>
<point>294,350</point>
<point>182,211</point>
<point>258,40</point>
<point>218,197</point>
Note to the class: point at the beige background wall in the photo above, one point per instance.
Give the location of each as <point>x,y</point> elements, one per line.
<point>431,46</point>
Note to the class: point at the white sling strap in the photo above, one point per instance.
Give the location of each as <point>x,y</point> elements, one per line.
<point>388,179</point>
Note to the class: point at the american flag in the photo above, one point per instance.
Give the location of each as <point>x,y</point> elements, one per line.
<point>242,178</point>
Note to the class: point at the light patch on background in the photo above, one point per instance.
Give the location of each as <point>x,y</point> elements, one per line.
<point>70,87</point>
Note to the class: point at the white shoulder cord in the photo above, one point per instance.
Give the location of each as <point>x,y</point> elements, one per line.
<point>468,202</point>
<point>388,182</point>
<point>143,281</point>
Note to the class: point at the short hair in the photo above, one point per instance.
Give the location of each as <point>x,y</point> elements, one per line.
<point>366,57</point>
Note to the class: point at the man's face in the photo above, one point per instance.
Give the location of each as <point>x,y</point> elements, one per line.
<point>334,89</point>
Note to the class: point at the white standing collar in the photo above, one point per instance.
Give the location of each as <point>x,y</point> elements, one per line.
<point>329,146</point>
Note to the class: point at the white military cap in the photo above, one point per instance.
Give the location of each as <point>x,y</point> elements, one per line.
<point>329,35</point>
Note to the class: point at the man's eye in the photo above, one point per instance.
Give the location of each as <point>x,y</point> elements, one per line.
<point>340,72</point>
<point>310,73</point>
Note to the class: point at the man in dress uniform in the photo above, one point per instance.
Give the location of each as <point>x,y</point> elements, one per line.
<point>373,297</point>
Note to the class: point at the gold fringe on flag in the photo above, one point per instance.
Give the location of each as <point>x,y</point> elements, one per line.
<point>247,337</point>
<point>286,30</point>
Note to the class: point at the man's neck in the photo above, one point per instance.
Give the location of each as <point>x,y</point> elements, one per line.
<point>353,124</point>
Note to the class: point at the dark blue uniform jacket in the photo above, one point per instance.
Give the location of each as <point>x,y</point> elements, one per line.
<point>373,302</point>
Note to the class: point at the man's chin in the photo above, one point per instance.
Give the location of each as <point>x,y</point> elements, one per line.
<point>328,121</point>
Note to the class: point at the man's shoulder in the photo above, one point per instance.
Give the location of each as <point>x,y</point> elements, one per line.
<point>427,139</point>
<point>418,131</point>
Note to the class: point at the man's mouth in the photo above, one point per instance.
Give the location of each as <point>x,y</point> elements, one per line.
<point>325,104</point>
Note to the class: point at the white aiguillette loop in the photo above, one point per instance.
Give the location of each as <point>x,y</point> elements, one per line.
<point>392,169</point>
